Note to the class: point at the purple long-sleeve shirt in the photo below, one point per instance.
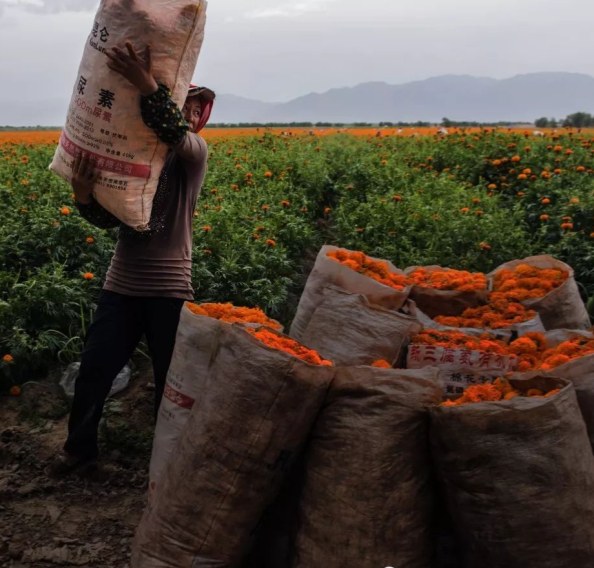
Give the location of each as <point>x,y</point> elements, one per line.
<point>158,262</point>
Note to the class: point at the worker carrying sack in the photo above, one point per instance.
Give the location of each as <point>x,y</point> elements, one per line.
<point>104,118</point>
<point>367,498</point>
<point>518,475</point>
<point>236,449</point>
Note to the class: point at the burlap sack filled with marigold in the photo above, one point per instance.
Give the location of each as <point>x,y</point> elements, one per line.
<point>552,291</point>
<point>351,330</point>
<point>519,478</point>
<point>568,363</point>
<point>329,271</point>
<point>236,448</point>
<point>367,497</point>
<point>196,344</point>
<point>438,295</point>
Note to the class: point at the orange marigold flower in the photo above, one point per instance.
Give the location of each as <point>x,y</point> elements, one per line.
<point>381,364</point>
<point>522,176</point>
<point>484,246</point>
<point>229,313</point>
<point>88,276</point>
<point>544,217</point>
<point>270,242</point>
<point>567,226</point>
<point>516,158</point>
<point>65,210</point>
<point>90,240</point>
<point>465,210</point>
<point>15,390</point>
<point>285,203</point>
<point>8,358</point>
<point>288,345</point>
<point>492,186</point>
<point>545,200</point>
<point>396,198</point>
<point>268,174</point>
<point>580,169</point>
<point>206,228</point>
<point>265,207</point>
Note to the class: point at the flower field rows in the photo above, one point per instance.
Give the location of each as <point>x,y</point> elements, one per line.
<point>469,200</point>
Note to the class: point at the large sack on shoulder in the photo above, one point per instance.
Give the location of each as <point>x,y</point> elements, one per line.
<point>350,330</point>
<point>328,271</point>
<point>104,119</point>
<point>558,307</point>
<point>367,498</point>
<point>242,435</point>
<point>472,290</point>
<point>519,478</point>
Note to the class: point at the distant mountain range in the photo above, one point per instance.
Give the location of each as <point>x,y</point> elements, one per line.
<point>522,98</point>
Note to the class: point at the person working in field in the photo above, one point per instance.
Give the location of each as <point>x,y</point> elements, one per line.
<point>149,277</point>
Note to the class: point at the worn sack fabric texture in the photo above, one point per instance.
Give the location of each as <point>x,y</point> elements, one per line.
<point>196,344</point>
<point>104,119</point>
<point>579,371</point>
<point>435,302</point>
<point>563,307</point>
<point>327,271</point>
<point>519,478</point>
<point>257,409</point>
<point>367,498</point>
<point>351,330</point>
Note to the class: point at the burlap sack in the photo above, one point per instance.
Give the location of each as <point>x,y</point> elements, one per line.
<point>367,498</point>
<point>104,119</point>
<point>444,302</point>
<point>563,307</point>
<point>196,344</point>
<point>519,479</point>
<point>242,435</point>
<point>580,372</point>
<point>327,271</point>
<point>351,330</point>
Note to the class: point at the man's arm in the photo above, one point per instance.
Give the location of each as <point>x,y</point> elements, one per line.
<point>158,110</point>
<point>84,176</point>
<point>162,115</point>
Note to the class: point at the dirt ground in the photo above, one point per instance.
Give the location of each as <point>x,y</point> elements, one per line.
<point>81,520</point>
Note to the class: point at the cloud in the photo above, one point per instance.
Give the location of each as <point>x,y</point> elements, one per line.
<point>290,10</point>
<point>50,6</point>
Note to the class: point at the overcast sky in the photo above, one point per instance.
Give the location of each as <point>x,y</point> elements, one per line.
<point>276,50</point>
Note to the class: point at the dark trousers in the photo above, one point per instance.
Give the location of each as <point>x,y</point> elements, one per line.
<point>118,325</point>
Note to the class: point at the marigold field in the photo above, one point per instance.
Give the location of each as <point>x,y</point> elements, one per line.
<point>471,199</point>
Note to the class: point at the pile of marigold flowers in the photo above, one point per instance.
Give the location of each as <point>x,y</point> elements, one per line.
<point>448,279</point>
<point>525,282</point>
<point>376,269</point>
<point>498,313</point>
<point>532,352</point>
<point>452,339</point>
<point>229,313</point>
<point>496,391</point>
<point>288,345</point>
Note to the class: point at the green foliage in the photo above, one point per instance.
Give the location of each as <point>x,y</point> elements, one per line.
<point>470,200</point>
